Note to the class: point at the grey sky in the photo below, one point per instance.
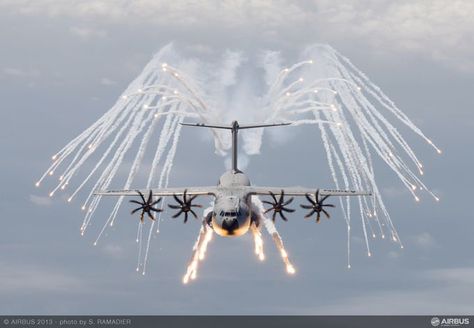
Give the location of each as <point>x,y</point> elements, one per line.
<point>63,63</point>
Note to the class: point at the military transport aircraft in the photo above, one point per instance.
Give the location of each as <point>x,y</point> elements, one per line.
<point>233,211</point>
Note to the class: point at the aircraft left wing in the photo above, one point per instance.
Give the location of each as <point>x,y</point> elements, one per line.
<point>301,191</point>
<point>191,191</point>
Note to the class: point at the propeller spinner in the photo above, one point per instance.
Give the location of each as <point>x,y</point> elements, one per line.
<point>317,206</point>
<point>184,206</point>
<point>279,206</point>
<point>146,206</point>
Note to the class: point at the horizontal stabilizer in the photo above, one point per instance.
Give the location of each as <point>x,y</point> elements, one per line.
<point>234,125</point>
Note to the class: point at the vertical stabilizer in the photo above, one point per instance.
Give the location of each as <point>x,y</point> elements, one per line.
<point>235,127</point>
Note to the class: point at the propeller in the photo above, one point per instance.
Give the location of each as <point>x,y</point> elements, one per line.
<point>184,206</point>
<point>317,206</point>
<point>146,206</point>
<point>279,206</point>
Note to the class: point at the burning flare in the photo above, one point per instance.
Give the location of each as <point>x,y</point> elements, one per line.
<point>357,122</point>
<point>199,253</point>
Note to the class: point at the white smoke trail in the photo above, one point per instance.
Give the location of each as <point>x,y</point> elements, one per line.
<point>257,237</point>
<point>273,232</point>
<point>199,252</point>
<point>324,89</point>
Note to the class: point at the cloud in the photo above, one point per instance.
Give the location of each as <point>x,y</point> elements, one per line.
<point>87,32</point>
<point>440,30</point>
<point>453,276</point>
<point>19,72</point>
<point>115,251</point>
<point>394,191</point>
<point>107,81</point>
<point>41,200</point>
<point>394,255</point>
<point>34,279</point>
<point>450,291</point>
<point>424,240</point>
<point>179,13</point>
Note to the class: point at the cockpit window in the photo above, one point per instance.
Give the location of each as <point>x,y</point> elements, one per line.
<point>231,213</point>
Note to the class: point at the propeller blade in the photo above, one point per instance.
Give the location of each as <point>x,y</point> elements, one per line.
<point>324,198</point>
<point>185,217</point>
<point>273,196</point>
<point>177,214</point>
<point>288,201</point>
<point>178,200</point>
<point>317,205</point>
<point>328,205</point>
<point>156,201</point>
<point>146,206</point>
<point>282,195</point>
<point>310,214</point>
<point>185,205</point>
<point>151,216</point>
<point>278,205</point>
<point>326,213</point>
<point>308,197</point>
<point>141,196</point>
<point>150,197</point>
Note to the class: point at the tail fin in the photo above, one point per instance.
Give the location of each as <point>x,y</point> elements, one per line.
<point>235,127</point>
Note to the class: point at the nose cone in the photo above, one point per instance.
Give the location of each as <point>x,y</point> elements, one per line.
<point>230,225</point>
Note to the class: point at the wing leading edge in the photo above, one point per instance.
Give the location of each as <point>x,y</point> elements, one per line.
<point>300,191</point>
<point>253,190</point>
<point>191,191</point>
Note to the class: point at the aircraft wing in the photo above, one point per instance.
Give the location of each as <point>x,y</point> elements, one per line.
<point>301,191</point>
<point>191,191</point>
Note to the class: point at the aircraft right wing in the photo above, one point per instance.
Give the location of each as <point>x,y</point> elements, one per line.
<point>191,191</point>
<point>301,191</point>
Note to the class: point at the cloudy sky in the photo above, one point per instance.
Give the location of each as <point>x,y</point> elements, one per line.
<point>64,63</point>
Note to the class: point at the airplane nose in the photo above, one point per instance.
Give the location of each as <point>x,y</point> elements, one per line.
<point>230,225</point>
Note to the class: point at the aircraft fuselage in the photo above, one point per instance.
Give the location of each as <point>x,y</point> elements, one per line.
<point>232,211</point>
